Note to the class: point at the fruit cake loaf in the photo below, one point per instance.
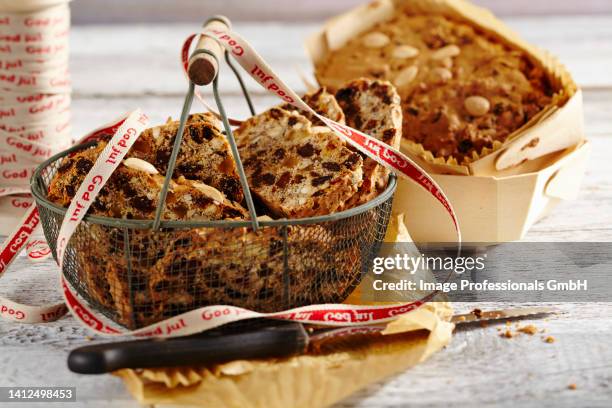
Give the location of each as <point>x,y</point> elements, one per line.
<point>461,88</point>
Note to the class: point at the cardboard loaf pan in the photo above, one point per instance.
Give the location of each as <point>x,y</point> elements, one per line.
<point>493,209</point>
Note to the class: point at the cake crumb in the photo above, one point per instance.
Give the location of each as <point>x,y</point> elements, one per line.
<point>572,386</point>
<point>507,334</point>
<point>461,319</point>
<point>529,329</point>
<point>549,339</point>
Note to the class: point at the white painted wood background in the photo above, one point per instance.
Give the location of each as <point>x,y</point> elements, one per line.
<point>118,68</point>
<point>121,11</point>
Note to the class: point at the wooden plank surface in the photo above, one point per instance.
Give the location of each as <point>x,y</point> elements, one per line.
<point>143,60</point>
<point>479,368</point>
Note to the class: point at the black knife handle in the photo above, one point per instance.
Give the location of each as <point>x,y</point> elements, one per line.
<point>277,341</point>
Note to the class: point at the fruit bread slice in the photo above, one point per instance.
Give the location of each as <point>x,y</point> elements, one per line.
<point>295,169</point>
<point>373,107</point>
<point>324,103</point>
<point>132,191</point>
<point>204,155</point>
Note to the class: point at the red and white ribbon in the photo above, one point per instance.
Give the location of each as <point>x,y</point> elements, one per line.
<point>34,98</point>
<point>11,247</point>
<point>125,132</point>
<point>24,237</point>
<point>103,168</point>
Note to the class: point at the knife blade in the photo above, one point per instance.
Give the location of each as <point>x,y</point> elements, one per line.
<point>479,315</point>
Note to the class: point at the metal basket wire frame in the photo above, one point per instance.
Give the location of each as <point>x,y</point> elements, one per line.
<point>137,272</point>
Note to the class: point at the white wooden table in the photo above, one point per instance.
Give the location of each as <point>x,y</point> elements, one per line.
<point>117,68</point>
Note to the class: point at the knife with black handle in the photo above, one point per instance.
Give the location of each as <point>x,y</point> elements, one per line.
<point>278,340</point>
<point>267,339</point>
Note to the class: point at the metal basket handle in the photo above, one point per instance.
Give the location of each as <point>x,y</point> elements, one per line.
<point>203,67</point>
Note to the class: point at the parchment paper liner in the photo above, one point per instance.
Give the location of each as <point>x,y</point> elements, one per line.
<point>302,381</point>
<point>555,128</point>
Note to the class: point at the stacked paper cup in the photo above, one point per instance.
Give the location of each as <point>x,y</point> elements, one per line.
<point>34,96</point>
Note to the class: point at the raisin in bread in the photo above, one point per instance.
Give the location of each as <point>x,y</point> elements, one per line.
<point>372,107</point>
<point>295,169</point>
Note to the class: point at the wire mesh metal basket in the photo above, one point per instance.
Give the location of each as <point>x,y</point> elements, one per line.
<point>138,272</point>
